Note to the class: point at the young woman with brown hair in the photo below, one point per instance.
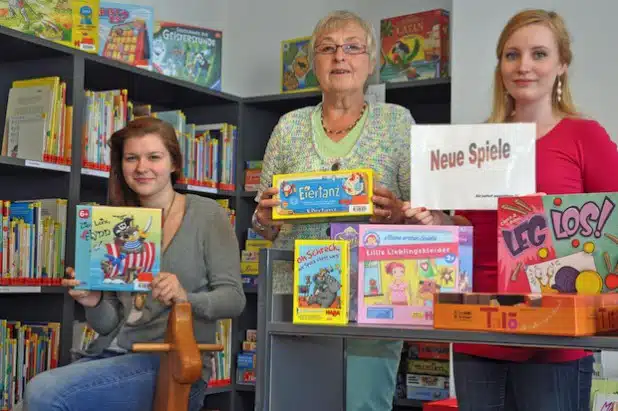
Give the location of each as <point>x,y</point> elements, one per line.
<point>200,263</point>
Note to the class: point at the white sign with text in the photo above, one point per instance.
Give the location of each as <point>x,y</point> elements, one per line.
<point>468,166</point>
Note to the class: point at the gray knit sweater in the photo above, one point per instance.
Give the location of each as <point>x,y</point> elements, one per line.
<point>204,254</point>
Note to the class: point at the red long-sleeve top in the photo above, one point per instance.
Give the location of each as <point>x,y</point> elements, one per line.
<point>576,156</point>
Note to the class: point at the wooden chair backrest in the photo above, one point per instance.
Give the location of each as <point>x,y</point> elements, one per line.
<point>181,362</point>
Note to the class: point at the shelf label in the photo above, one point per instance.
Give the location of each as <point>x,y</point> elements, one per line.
<point>95,173</point>
<point>202,189</point>
<point>47,166</point>
<point>19,289</point>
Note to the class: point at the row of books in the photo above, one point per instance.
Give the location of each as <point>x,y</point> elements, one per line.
<point>221,361</point>
<point>26,349</point>
<point>33,241</point>
<point>38,127</point>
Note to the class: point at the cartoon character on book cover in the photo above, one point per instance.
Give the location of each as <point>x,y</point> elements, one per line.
<point>296,71</point>
<point>558,243</point>
<point>125,33</point>
<point>188,53</point>
<point>402,267</point>
<point>321,282</point>
<point>117,248</point>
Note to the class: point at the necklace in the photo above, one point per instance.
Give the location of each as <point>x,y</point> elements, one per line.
<point>169,208</point>
<point>348,128</point>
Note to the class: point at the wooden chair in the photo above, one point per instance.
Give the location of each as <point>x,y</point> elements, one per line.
<point>181,363</point>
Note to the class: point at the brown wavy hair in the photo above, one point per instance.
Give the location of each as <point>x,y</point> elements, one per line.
<point>118,191</point>
<point>503,104</point>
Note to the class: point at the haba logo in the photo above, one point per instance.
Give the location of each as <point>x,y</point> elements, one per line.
<point>586,220</point>
<point>332,313</point>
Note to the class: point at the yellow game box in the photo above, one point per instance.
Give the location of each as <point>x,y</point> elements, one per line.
<point>324,194</point>
<point>321,288</point>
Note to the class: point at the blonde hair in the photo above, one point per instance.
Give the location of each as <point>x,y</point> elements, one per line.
<point>338,19</point>
<point>503,103</point>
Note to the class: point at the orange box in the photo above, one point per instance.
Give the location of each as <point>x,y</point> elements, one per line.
<point>552,314</point>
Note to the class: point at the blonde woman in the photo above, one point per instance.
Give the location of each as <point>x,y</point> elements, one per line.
<point>573,155</point>
<point>343,132</point>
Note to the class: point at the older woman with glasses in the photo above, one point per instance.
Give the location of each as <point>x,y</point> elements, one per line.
<point>343,132</point>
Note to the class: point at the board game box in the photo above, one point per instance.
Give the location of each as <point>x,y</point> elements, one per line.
<point>188,53</point>
<point>349,232</point>
<point>321,282</point>
<point>401,267</point>
<point>125,33</point>
<point>415,46</point>
<point>296,70</point>
<point>117,248</point>
<point>322,195</point>
<point>558,244</point>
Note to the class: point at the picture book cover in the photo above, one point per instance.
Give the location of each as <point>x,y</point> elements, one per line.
<point>558,244</point>
<point>401,267</point>
<point>343,193</point>
<point>117,248</point>
<point>321,282</point>
<point>188,53</point>
<point>68,22</point>
<point>349,232</point>
<point>296,71</point>
<point>415,46</point>
<point>125,33</point>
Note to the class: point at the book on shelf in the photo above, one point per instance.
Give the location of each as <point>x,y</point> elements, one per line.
<point>33,241</point>
<point>26,349</point>
<point>38,121</point>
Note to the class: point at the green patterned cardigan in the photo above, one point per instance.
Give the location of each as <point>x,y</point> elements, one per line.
<point>384,146</point>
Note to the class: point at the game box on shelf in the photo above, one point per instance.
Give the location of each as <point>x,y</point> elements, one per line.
<point>544,314</point>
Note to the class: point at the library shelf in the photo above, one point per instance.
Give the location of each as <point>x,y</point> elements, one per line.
<point>23,56</point>
<point>410,333</point>
<point>31,289</point>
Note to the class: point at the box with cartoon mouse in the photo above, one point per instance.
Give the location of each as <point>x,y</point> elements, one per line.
<point>117,248</point>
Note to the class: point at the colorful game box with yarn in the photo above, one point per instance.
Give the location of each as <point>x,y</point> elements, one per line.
<point>117,248</point>
<point>324,194</point>
<point>321,270</point>
<point>558,244</point>
<point>400,267</point>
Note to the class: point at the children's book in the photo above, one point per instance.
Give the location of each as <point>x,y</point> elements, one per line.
<point>321,282</point>
<point>117,248</point>
<point>188,53</point>
<point>558,244</point>
<point>125,33</point>
<point>402,267</point>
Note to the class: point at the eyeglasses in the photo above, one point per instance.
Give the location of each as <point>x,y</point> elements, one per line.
<point>348,48</point>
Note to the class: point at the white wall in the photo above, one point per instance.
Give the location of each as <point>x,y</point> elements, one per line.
<point>593,72</point>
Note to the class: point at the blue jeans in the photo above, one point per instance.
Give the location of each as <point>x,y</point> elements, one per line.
<point>483,384</point>
<point>109,382</point>
<point>371,374</point>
